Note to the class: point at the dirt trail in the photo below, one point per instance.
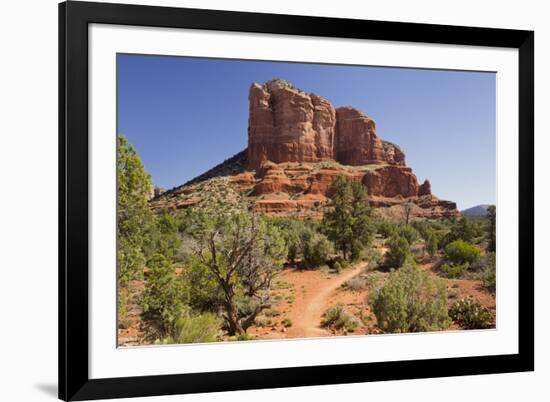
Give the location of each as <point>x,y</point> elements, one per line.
<point>313,293</point>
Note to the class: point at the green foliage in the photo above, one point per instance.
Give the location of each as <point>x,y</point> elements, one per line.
<point>287,323</point>
<point>162,298</point>
<point>314,247</point>
<point>469,314</point>
<point>338,319</point>
<point>432,242</point>
<point>410,301</point>
<point>454,270</point>
<point>202,289</point>
<point>461,252</point>
<point>242,252</point>
<point>386,228</point>
<point>163,235</point>
<point>290,231</point>
<point>398,252</point>
<point>422,227</point>
<point>347,220</point>
<point>304,241</point>
<point>463,229</point>
<point>408,232</point>
<point>133,216</point>
<point>492,226</point>
<point>489,274</point>
<point>195,329</point>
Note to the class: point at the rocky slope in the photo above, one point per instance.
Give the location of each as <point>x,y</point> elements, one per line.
<point>297,144</point>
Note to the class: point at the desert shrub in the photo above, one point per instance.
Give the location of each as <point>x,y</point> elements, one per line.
<point>163,236</point>
<point>463,229</point>
<point>356,283</point>
<point>338,319</point>
<point>338,263</point>
<point>453,270</point>
<point>290,230</point>
<point>398,251</point>
<point>409,233</point>
<point>337,267</point>
<point>272,312</point>
<point>133,215</point>
<point>491,227</point>
<point>287,322</point>
<point>162,298</point>
<point>386,228</point>
<point>263,322</point>
<point>410,301</point>
<point>195,329</point>
<point>489,274</point>
<point>432,242</point>
<point>315,248</point>
<point>201,287</point>
<point>461,252</point>
<point>470,314</point>
<point>243,337</point>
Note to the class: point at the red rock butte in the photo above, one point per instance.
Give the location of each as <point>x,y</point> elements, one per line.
<point>288,125</point>
<point>298,143</point>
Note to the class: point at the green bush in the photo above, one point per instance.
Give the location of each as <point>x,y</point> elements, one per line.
<point>337,267</point>
<point>162,298</point>
<point>410,301</point>
<point>287,322</point>
<point>315,247</point>
<point>461,252</point>
<point>469,314</point>
<point>338,319</point>
<point>195,329</point>
<point>398,252</point>
<point>409,233</point>
<point>464,229</point>
<point>432,242</point>
<point>454,270</point>
<point>386,229</point>
<point>489,274</point>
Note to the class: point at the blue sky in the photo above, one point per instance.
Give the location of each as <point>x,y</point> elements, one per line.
<point>185,115</point>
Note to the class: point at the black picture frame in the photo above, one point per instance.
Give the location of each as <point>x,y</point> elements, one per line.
<point>74,18</point>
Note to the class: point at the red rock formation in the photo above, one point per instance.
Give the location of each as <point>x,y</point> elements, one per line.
<point>425,188</point>
<point>391,181</point>
<point>288,125</point>
<point>298,144</point>
<point>356,141</point>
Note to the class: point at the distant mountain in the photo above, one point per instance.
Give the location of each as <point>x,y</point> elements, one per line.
<point>478,210</point>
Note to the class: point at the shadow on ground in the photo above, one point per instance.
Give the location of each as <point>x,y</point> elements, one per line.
<point>48,389</point>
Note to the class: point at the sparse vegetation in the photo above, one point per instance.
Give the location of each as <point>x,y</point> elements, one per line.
<point>338,319</point>
<point>469,314</point>
<point>211,271</point>
<point>453,270</point>
<point>356,283</point>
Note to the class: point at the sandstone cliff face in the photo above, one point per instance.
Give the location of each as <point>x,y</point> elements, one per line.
<point>288,125</point>
<point>298,144</point>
